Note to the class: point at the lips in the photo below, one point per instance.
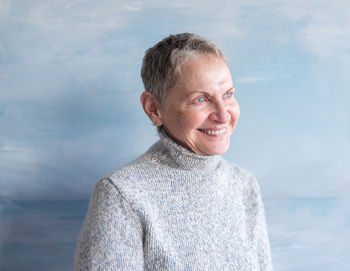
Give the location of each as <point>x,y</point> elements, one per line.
<point>213,132</point>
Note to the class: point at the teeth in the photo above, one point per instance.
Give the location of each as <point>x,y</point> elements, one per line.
<point>218,132</point>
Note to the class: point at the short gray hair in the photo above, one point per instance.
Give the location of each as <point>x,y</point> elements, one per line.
<point>161,64</point>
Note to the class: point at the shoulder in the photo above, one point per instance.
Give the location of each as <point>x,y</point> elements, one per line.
<point>129,180</point>
<point>249,189</point>
<point>242,176</point>
<point>136,168</point>
<point>133,171</point>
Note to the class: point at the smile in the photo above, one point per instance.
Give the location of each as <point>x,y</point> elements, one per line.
<point>213,132</point>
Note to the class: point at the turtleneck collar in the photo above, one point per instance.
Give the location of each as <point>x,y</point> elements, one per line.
<point>174,155</point>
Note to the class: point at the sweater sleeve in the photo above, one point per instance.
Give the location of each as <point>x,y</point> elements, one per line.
<point>256,219</point>
<point>111,235</point>
<point>263,243</point>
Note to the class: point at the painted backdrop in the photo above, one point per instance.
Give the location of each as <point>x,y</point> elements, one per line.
<point>70,112</point>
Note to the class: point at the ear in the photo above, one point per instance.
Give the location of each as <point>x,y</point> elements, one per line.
<point>151,106</point>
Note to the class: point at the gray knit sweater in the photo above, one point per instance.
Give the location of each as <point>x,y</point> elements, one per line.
<point>171,209</point>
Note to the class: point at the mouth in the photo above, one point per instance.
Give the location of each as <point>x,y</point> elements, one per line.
<point>213,132</point>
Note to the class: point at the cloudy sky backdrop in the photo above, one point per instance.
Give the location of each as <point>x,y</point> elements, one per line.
<point>70,86</point>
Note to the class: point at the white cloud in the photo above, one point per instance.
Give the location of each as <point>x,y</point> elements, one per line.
<point>251,79</point>
<point>4,7</point>
<point>323,27</point>
<point>264,75</point>
<point>324,39</point>
<point>133,7</point>
<point>84,18</point>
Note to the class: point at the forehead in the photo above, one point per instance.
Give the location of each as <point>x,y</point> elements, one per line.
<point>204,73</point>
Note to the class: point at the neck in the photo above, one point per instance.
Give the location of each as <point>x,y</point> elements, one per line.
<point>177,156</point>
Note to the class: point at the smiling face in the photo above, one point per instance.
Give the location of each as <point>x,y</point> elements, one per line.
<point>201,111</point>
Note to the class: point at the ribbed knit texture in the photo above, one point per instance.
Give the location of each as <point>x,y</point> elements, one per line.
<point>171,209</point>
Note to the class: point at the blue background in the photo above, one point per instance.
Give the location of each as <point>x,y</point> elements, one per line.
<point>70,112</point>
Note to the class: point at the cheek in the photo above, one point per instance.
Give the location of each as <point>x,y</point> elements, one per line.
<point>238,111</point>
<point>196,118</point>
<point>192,120</point>
<point>181,121</point>
<point>235,111</point>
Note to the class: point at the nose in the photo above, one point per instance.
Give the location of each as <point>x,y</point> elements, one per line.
<point>220,113</point>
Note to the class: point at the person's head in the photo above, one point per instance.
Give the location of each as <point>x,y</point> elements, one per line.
<point>189,91</point>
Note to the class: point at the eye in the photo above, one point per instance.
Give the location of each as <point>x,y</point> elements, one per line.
<point>228,95</point>
<point>200,100</point>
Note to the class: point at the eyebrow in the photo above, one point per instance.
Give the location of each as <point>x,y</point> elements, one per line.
<point>206,93</point>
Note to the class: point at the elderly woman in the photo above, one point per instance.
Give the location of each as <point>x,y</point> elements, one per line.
<point>180,206</point>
